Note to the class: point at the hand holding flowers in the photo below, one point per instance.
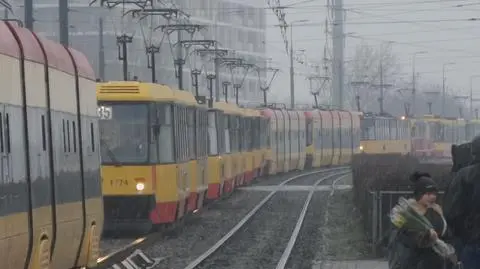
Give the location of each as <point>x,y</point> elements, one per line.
<point>405,216</point>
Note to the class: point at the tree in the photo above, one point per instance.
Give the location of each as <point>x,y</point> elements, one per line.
<point>370,65</point>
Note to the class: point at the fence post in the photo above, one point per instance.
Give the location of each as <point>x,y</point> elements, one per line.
<point>380,215</point>
<point>373,196</point>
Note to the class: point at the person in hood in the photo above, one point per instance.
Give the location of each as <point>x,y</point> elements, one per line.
<point>413,250</point>
<point>462,209</point>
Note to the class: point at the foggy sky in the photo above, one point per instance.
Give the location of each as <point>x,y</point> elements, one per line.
<point>377,21</point>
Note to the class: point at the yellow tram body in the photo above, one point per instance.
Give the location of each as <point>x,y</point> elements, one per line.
<point>385,135</point>
<point>146,159</point>
<point>442,134</point>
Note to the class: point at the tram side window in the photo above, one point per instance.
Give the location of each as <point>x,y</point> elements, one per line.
<point>198,127</point>
<point>404,130</point>
<point>205,134</point>
<point>252,134</point>
<point>256,136</point>
<point>193,129</point>
<point>448,133</point>
<point>259,134</point>
<point>212,134</point>
<point>231,134</point>
<point>238,133</point>
<point>186,151</point>
<point>437,131</point>
<point>226,133</point>
<point>247,139</point>
<point>378,127</point>
<point>165,134</point>
<point>243,131</point>
<point>218,123</point>
<point>319,138</point>
<point>176,133</point>
<point>379,130</point>
<point>309,129</point>
<point>238,139</point>
<point>461,137</point>
<point>393,129</point>
<point>276,138</point>
<point>201,134</point>
<point>231,131</point>
<point>264,138</point>
<point>181,133</point>
<point>368,129</point>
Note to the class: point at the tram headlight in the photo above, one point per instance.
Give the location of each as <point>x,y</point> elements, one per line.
<point>361,148</point>
<point>140,186</point>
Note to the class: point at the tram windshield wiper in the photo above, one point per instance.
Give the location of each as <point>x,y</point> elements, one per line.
<point>110,153</point>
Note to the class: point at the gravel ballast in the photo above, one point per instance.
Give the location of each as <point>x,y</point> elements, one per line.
<point>110,245</point>
<point>261,242</point>
<point>203,230</point>
<point>332,230</point>
<point>262,245</point>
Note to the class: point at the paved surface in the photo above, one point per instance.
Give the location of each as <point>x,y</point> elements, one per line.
<point>366,264</point>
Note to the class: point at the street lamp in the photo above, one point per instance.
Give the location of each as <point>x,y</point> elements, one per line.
<point>471,94</point>
<point>413,80</point>
<point>292,73</point>
<point>443,87</point>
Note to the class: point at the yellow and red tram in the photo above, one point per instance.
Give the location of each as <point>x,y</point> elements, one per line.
<point>152,171</point>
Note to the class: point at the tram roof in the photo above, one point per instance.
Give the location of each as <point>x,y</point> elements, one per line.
<point>124,91</point>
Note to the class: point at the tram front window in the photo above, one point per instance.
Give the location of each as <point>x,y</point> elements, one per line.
<point>124,133</point>
<point>368,129</point>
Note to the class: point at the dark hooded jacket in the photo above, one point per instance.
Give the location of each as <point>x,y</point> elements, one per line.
<point>412,250</point>
<point>461,203</point>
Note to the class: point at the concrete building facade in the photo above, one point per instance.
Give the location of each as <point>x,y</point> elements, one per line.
<point>237,25</point>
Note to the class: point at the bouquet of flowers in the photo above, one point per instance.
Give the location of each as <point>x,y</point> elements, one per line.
<point>404,215</point>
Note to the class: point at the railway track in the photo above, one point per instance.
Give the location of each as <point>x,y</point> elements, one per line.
<point>127,251</point>
<point>269,226</point>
